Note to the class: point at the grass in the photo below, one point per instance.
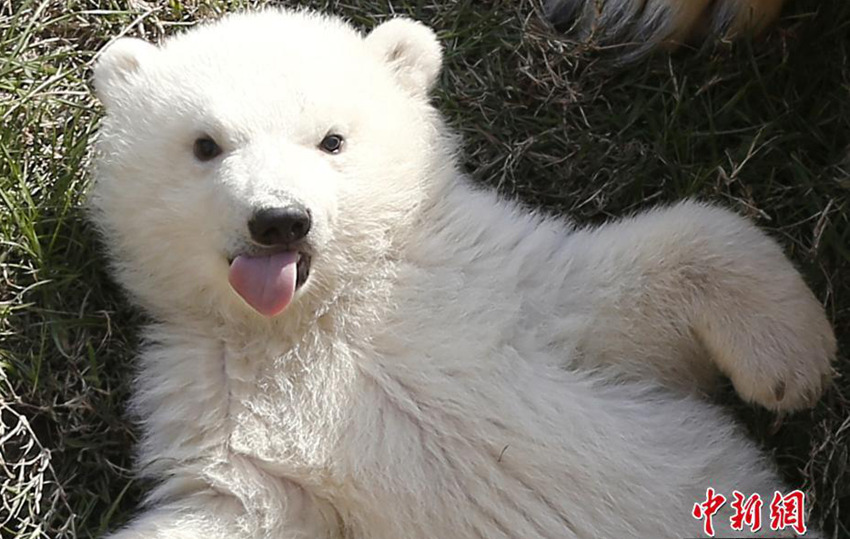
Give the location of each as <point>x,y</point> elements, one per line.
<point>762,127</point>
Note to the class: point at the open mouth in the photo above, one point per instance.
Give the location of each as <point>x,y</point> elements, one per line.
<point>302,269</point>
<point>268,279</point>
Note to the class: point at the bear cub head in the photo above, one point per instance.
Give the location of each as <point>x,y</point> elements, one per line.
<point>255,164</point>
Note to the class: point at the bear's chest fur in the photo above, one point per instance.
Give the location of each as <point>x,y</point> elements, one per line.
<point>286,412</point>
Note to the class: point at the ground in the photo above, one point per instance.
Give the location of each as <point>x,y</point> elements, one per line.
<point>762,127</point>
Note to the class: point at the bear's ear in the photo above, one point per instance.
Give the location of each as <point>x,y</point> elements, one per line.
<point>412,52</point>
<point>117,63</point>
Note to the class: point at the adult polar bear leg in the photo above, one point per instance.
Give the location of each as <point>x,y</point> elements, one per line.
<point>673,287</point>
<point>649,23</point>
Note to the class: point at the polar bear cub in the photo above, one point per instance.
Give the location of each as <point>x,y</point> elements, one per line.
<point>352,341</point>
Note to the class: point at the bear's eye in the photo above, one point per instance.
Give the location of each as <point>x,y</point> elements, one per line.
<point>332,143</point>
<point>206,149</point>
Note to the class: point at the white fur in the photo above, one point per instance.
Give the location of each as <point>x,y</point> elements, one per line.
<point>456,366</point>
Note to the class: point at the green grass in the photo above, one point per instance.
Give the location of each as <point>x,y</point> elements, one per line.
<point>761,127</point>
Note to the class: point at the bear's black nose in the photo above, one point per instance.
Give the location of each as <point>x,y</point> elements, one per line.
<point>279,226</point>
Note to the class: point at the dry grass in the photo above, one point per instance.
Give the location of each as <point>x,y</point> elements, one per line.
<point>762,127</point>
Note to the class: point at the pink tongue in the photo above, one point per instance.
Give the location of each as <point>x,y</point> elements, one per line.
<point>266,283</point>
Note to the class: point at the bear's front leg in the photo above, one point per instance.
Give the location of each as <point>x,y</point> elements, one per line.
<point>679,292</point>
<point>212,515</point>
<point>203,517</point>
